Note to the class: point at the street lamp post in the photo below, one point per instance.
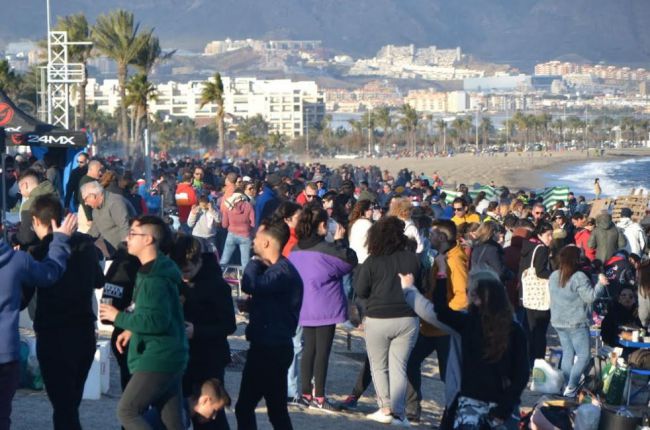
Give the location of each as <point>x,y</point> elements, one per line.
<point>477,108</point>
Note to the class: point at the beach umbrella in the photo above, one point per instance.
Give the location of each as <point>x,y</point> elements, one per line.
<point>552,195</point>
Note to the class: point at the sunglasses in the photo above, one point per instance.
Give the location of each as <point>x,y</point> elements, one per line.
<point>459,209</point>
<point>310,196</point>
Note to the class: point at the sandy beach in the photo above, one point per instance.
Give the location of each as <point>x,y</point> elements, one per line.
<point>32,410</point>
<point>516,170</point>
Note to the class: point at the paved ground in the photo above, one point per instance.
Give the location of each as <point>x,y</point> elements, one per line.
<point>32,411</point>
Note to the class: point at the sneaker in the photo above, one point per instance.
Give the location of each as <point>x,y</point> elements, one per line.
<point>570,392</point>
<point>380,417</point>
<point>298,401</point>
<point>323,405</point>
<point>400,422</point>
<point>414,417</point>
<point>350,402</point>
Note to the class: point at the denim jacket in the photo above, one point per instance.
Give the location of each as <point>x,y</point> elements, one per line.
<point>571,304</point>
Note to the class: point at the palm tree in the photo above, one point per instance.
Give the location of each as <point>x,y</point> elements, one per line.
<point>139,92</point>
<point>485,129</point>
<point>368,122</point>
<point>457,125</point>
<point>441,125</point>
<point>78,31</point>
<point>149,56</point>
<point>117,36</point>
<point>9,80</point>
<point>384,121</point>
<point>326,129</point>
<point>409,122</point>
<point>213,93</point>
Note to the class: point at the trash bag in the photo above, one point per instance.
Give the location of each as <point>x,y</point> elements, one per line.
<point>586,417</point>
<point>546,379</point>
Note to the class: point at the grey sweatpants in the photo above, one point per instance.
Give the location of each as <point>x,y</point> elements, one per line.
<point>389,342</point>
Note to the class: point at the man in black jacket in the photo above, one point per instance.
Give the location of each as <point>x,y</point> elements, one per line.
<point>65,321</point>
<point>276,291</point>
<point>72,187</point>
<point>209,320</point>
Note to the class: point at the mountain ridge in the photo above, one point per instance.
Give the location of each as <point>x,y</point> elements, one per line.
<point>519,32</point>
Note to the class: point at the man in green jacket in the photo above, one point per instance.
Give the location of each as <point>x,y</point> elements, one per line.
<point>154,331</point>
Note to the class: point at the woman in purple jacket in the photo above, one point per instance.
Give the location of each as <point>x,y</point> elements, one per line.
<point>322,266</point>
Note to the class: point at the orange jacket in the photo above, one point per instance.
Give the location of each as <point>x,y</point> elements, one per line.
<point>457,277</point>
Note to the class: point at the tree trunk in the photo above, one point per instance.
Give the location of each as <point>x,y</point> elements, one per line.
<point>82,98</point>
<point>123,134</point>
<point>221,128</point>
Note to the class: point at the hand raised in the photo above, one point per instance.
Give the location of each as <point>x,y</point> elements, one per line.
<point>407,279</point>
<point>67,227</point>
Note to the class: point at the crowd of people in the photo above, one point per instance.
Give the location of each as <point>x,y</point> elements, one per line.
<point>320,248</point>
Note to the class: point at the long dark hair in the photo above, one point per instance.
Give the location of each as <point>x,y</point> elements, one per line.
<point>496,316</point>
<point>310,218</point>
<point>543,227</point>
<point>358,211</point>
<point>568,260</point>
<point>287,209</point>
<point>386,236</point>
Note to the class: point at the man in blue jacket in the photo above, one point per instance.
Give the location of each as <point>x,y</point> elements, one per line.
<point>276,289</point>
<point>268,201</point>
<point>18,268</point>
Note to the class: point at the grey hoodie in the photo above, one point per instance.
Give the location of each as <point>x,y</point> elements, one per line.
<point>606,239</point>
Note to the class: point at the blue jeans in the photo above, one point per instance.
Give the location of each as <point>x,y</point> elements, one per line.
<point>575,343</point>
<point>232,241</point>
<point>294,370</point>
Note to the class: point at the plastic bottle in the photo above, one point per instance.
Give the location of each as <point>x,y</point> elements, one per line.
<point>645,424</point>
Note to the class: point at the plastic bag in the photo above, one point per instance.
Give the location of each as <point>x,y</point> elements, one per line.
<point>614,385</point>
<point>587,417</point>
<point>546,379</point>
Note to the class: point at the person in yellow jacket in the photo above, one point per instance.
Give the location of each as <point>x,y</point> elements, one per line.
<point>444,240</point>
<point>461,213</point>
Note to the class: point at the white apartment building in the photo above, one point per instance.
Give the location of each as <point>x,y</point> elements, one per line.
<point>289,107</point>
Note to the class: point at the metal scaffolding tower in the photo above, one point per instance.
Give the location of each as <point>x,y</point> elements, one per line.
<point>60,74</point>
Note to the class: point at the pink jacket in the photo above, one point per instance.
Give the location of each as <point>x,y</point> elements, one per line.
<point>240,220</point>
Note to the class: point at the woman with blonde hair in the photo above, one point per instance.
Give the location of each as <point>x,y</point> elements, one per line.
<point>402,209</point>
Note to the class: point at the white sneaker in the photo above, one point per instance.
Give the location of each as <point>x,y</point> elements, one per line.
<point>380,417</point>
<point>400,422</point>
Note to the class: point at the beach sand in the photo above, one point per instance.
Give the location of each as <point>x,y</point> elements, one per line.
<point>32,410</point>
<point>516,170</point>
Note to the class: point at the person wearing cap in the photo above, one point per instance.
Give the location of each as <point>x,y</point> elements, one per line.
<point>436,207</point>
<point>636,237</point>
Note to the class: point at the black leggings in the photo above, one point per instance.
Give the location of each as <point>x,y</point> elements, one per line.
<point>537,326</point>
<point>315,358</point>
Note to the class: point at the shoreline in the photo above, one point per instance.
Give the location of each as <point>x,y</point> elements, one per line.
<point>516,170</point>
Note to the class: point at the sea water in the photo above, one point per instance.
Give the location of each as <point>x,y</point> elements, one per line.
<point>616,177</point>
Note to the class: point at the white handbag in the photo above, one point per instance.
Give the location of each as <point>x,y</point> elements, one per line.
<point>535,290</point>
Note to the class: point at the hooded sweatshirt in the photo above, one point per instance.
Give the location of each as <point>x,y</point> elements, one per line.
<point>158,342</point>
<point>239,217</point>
<point>18,268</point>
<point>636,238</point>
<point>606,238</point>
